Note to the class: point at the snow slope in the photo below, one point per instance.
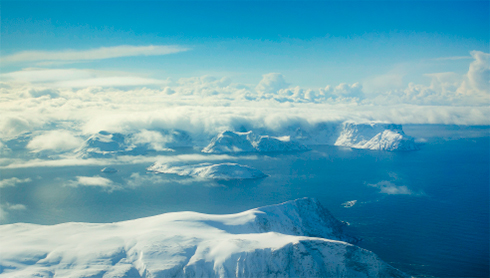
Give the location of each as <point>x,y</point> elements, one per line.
<point>283,240</point>
<point>375,136</point>
<point>235,142</point>
<point>105,144</point>
<point>221,171</point>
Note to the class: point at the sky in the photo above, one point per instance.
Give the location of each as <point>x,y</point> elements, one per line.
<point>65,65</point>
<point>312,43</point>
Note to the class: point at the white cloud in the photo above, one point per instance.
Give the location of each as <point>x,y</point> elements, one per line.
<point>453,58</point>
<point>55,140</point>
<point>447,88</point>
<point>345,90</point>
<point>383,83</point>
<point>6,208</point>
<point>76,78</point>
<point>95,181</point>
<point>387,187</point>
<point>115,81</point>
<point>94,54</point>
<point>13,125</point>
<point>12,182</point>
<point>136,180</point>
<point>271,83</point>
<point>479,72</point>
<point>4,150</point>
<point>207,105</point>
<point>155,139</point>
<point>66,162</point>
<point>390,188</point>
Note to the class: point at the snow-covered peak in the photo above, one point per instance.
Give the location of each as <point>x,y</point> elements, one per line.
<point>231,142</point>
<point>301,217</point>
<point>256,243</point>
<point>375,136</point>
<point>235,142</point>
<point>105,144</point>
<point>221,171</point>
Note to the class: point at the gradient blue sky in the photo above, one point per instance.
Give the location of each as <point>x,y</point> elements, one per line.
<point>310,43</point>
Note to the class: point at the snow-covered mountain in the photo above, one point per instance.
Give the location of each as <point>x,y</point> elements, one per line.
<point>231,142</point>
<point>375,136</point>
<point>294,239</point>
<point>105,144</point>
<point>221,171</point>
<point>236,142</point>
<point>372,136</point>
<point>277,144</point>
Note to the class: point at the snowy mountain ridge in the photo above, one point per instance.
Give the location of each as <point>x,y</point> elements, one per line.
<point>237,142</point>
<point>274,241</point>
<point>375,136</point>
<point>371,136</point>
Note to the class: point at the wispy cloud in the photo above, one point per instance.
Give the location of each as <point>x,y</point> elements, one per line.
<point>94,54</point>
<point>67,162</point>
<point>12,181</point>
<point>78,78</point>
<point>390,188</point>
<point>453,58</point>
<point>94,181</point>
<point>7,207</point>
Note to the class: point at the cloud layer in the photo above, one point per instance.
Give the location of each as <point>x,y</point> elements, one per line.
<point>55,107</point>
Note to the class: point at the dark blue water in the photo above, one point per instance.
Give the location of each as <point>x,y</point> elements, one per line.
<point>440,229</point>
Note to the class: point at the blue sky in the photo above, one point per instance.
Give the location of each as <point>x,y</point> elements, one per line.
<point>311,43</point>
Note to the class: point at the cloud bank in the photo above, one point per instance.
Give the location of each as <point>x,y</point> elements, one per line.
<point>54,107</point>
<point>55,140</point>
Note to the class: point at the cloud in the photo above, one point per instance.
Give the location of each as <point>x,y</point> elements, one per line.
<point>7,207</point>
<point>11,126</point>
<point>387,187</point>
<point>447,88</point>
<point>453,58</point>
<point>271,83</point>
<point>4,150</point>
<point>67,162</point>
<point>76,78</point>
<point>204,106</point>
<point>136,180</point>
<point>383,83</point>
<point>154,139</point>
<point>345,90</point>
<point>55,140</point>
<point>12,182</point>
<point>114,81</point>
<point>94,54</point>
<point>479,71</point>
<point>95,181</point>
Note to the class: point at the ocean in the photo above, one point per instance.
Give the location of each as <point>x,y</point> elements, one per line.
<point>424,212</point>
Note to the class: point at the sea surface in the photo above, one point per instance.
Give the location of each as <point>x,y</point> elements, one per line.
<point>424,212</point>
